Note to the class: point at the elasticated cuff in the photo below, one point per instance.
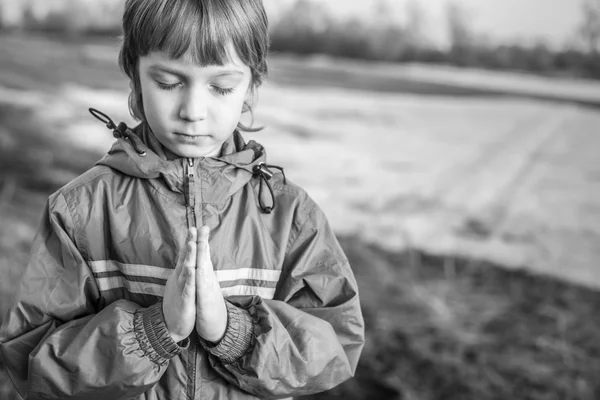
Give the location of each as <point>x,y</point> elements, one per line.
<point>151,331</point>
<point>238,336</point>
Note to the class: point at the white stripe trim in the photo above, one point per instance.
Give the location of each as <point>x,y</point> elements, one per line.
<point>270,275</point>
<point>118,282</point>
<point>130,269</point>
<point>243,290</point>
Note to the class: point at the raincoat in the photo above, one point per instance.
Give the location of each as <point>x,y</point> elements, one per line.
<point>87,320</point>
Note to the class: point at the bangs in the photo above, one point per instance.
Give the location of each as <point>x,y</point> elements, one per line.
<point>201,31</point>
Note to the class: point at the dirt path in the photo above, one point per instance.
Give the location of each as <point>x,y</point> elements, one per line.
<point>512,181</point>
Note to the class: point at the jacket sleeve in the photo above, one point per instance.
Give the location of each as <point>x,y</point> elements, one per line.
<point>55,343</point>
<point>308,340</point>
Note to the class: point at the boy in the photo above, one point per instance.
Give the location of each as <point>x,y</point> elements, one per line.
<point>180,266</point>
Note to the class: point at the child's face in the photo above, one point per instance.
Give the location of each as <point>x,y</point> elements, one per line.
<point>191,109</point>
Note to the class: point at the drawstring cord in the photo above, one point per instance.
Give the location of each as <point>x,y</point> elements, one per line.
<point>120,132</point>
<point>264,175</point>
<point>261,170</point>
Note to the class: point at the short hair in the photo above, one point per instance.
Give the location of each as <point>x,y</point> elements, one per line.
<point>200,28</point>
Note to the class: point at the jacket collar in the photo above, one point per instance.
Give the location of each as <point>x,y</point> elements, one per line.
<point>219,177</point>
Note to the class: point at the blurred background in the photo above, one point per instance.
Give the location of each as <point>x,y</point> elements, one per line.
<point>454,146</point>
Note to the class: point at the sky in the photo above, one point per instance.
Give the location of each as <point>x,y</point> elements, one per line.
<point>553,21</point>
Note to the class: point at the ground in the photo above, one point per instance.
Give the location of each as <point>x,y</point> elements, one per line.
<point>469,214</point>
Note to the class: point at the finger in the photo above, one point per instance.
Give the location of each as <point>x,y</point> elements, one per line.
<point>203,234</point>
<point>193,249</point>
<point>203,248</point>
<point>188,252</point>
<point>189,282</point>
<point>190,255</point>
<point>205,275</point>
<point>188,267</point>
<point>203,259</point>
<point>192,234</point>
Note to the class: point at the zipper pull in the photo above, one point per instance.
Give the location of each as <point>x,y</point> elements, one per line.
<point>191,174</point>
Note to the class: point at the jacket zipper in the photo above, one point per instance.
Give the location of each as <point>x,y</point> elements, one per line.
<point>190,200</point>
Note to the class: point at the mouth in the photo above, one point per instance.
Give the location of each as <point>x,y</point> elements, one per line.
<point>190,137</point>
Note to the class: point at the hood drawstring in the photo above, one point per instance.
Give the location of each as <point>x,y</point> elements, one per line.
<point>120,132</point>
<point>264,175</point>
<point>261,170</point>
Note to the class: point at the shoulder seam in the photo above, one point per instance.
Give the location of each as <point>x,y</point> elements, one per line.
<point>293,238</point>
<point>76,233</point>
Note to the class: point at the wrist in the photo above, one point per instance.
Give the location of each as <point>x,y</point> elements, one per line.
<point>175,336</point>
<point>215,335</point>
<point>238,336</point>
<point>153,335</point>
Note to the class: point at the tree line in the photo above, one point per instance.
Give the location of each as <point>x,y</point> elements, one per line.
<point>383,38</point>
<point>307,28</point>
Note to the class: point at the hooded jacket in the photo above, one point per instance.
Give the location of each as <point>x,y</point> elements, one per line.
<point>87,320</point>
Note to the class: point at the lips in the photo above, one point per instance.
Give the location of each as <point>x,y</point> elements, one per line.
<point>189,135</point>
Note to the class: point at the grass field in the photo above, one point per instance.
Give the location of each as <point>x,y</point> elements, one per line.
<point>434,198</point>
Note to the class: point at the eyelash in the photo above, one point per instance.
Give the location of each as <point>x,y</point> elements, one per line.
<point>218,90</point>
<point>222,91</point>
<point>167,86</point>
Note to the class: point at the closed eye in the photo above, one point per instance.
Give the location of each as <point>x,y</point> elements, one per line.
<point>222,91</point>
<point>167,86</point>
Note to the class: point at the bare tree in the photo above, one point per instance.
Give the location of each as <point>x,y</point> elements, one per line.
<point>589,31</point>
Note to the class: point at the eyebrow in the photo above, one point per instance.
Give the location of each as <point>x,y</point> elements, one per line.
<point>163,68</point>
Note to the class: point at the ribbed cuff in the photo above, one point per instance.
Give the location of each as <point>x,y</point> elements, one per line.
<point>238,336</point>
<point>153,336</point>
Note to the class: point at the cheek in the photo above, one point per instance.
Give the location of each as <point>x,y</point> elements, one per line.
<point>159,102</point>
<point>227,111</point>
<point>156,101</point>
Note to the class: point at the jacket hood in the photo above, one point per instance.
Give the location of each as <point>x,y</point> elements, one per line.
<point>221,176</point>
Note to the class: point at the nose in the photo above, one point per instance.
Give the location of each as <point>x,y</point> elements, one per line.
<point>194,105</point>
